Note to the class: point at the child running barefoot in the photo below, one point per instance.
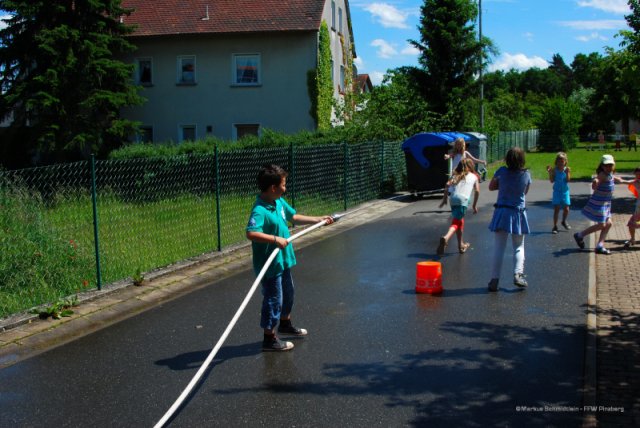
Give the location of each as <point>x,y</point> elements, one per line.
<point>560,176</point>
<point>598,208</point>
<point>510,217</point>
<point>634,221</point>
<point>463,183</point>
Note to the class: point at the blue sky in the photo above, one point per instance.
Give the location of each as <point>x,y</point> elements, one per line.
<point>526,32</point>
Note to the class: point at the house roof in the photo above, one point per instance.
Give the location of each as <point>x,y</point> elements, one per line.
<point>164,17</point>
<point>363,83</point>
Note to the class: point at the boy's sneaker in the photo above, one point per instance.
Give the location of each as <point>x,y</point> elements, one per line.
<point>519,281</point>
<point>628,244</point>
<point>272,343</point>
<point>554,230</point>
<point>286,327</point>
<point>579,240</point>
<point>566,225</point>
<point>493,284</point>
<point>602,250</point>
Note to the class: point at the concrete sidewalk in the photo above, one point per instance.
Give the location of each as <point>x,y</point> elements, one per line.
<point>617,278</point>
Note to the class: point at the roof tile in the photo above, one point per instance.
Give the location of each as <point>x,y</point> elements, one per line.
<point>163,17</point>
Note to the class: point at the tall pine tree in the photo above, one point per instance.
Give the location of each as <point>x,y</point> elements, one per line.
<point>449,55</point>
<point>60,78</point>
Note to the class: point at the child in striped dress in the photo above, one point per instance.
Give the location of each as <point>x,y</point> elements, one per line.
<point>598,208</point>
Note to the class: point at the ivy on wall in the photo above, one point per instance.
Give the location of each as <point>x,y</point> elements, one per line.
<point>324,82</point>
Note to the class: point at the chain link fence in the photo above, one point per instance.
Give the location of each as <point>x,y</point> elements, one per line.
<point>72,227</point>
<point>498,146</point>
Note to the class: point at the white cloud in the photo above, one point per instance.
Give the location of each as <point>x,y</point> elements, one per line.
<point>528,36</point>
<point>358,62</point>
<point>388,16</point>
<point>592,36</point>
<point>376,77</point>
<point>518,61</point>
<point>2,23</point>
<point>410,50</point>
<point>604,24</point>
<point>385,50</point>
<point>612,6</point>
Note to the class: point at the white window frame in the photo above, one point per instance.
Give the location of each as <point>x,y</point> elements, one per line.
<point>333,15</point>
<point>234,69</point>
<point>340,20</point>
<point>138,71</point>
<point>180,72</point>
<point>181,129</point>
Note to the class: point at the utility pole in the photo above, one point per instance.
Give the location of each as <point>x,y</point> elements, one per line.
<point>481,66</point>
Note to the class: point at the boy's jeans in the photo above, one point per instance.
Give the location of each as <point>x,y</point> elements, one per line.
<point>278,299</point>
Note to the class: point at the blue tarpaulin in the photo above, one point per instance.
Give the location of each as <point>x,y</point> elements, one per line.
<point>416,144</point>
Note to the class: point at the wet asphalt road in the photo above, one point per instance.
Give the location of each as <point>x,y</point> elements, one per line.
<point>377,353</point>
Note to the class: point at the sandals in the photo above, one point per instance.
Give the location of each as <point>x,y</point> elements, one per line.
<point>463,249</point>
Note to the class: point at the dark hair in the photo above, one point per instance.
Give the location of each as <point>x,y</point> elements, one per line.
<point>515,158</point>
<point>637,169</point>
<point>270,175</point>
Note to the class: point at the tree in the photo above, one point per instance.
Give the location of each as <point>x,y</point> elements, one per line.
<point>449,55</point>
<point>617,92</point>
<point>584,69</point>
<point>59,76</point>
<point>559,68</point>
<point>559,123</point>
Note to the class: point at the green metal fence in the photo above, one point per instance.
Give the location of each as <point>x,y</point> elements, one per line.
<point>498,146</point>
<point>73,227</point>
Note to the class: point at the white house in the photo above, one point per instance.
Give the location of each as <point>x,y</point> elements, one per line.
<point>228,68</point>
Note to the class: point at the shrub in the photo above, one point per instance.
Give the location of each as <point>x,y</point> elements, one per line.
<point>559,123</point>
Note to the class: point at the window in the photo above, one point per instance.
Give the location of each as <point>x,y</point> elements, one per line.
<point>187,70</point>
<point>339,20</point>
<point>145,134</point>
<point>342,88</point>
<point>187,133</point>
<point>333,15</point>
<point>246,69</point>
<point>332,72</point>
<point>242,130</point>
<point>144,71</point>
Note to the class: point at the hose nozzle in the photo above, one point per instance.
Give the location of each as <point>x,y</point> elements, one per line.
<point>337,216</point>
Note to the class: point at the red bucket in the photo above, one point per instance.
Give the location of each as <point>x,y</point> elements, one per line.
<point>429,277</point>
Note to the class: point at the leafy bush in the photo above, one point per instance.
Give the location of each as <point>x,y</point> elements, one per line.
<point>559,123</point>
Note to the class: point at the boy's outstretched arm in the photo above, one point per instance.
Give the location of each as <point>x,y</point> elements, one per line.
<point>306,219</point>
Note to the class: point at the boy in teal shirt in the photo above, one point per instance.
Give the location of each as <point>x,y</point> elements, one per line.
<point>268,229</point>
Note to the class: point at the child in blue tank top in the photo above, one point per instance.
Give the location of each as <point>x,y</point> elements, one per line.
<point>560,177</point>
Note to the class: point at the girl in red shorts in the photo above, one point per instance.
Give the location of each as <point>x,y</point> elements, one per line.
<point>460,187</point>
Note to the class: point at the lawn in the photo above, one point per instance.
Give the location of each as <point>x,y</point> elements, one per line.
<point>583,162</point>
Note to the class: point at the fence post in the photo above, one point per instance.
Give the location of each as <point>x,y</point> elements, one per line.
<point>292,175</point>
<point>217,174</point>
<point>346,172</point>
<point>95,220</point>
<point>381,168</point>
